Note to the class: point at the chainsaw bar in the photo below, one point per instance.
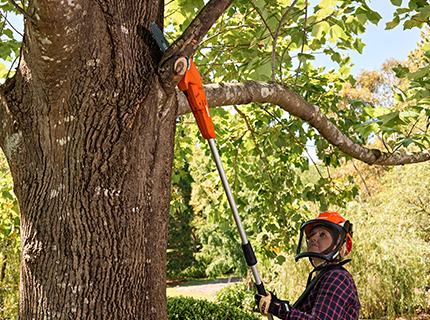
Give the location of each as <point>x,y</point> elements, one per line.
<point>159,37</point>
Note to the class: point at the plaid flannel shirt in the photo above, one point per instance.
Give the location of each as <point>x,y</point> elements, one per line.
<point>334,297</point>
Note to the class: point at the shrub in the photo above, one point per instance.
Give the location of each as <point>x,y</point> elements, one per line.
<point>391,252</point>
<point>221,252</point>
<point>196,271</point>
<point>193,309</point>
<point>236,295</point>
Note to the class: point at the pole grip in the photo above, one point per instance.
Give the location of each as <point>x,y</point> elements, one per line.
<point>250,258</point>
<point>260,289</point>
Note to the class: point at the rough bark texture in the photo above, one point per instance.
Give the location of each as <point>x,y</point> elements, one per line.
<point>88,131</point>
<point>224,94</point>
<point>87,125</point>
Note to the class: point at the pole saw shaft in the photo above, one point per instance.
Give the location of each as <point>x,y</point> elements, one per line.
<point>191,85</point>
<point>251,260</point>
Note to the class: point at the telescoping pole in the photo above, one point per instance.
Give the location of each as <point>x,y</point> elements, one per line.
<point>251,260</point>
<point>191,85</point>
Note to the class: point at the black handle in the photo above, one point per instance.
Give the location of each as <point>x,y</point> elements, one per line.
<point>250,258</point>
<point>261,290</point>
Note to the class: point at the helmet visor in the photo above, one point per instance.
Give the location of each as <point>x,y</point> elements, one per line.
<point>320,239</point>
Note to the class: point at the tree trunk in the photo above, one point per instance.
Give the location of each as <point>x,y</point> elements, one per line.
<point>88,131</point>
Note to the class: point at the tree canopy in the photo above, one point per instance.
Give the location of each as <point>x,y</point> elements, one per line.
<point>267,100</point>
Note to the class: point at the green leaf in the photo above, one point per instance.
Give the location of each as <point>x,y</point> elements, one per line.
<point>392,24</point>
<point>336,32</point>
<point>351,80</point>
<point>359,46</point>
<point>249,144</point>
<point>374,17</point>
<point>324,13</point>
<point>365,129</point>
<point>401,71</point>
<point>414,21</point>
<point>397,3</point>
<point>7,195</point>
<point>280,259</point>
<point>280,142</point>
<point>336,57</point>
<point>320,29</point>
<point>426,47</point>
<point>419,141</point>
<point>327,3</point>
<point>409,114</point>
<point>3,70</point>
<point>303,57</point>
<point>424,12</point>
<point>419,74</point>
<point>8,33</point>
<point>399,97</point>
<point>224,226</point>
<point>392,119</point>
<point>374,112</point>
<point>344,70</point>
<point>265,70</point>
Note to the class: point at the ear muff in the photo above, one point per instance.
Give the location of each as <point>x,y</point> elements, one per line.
<point>348,244</point>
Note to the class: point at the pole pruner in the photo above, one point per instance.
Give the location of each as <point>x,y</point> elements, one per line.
<point>192,87</point>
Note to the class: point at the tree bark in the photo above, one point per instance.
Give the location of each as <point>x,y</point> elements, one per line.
<point>88,131</point>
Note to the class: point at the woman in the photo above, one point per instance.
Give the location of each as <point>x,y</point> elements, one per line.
<point>332,294</point>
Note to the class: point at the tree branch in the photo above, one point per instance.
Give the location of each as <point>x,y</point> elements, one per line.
<point>190,40</point>
<point>223,94</point>
<point>21,10</point>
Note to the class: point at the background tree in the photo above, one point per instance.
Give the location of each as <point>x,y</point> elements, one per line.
<point>9,244</point>
<point>88,122</point>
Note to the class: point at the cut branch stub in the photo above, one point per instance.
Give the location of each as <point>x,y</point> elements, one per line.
<point>172,71</point>
<point>180,67</point>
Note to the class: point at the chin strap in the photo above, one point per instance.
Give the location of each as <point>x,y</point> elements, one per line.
<point>325,267</point>
<point>316,268</point>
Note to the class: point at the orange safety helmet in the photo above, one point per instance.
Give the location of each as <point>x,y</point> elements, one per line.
<point>340,228</point>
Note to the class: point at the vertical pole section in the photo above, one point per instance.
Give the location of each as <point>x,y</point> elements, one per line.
<point>246,246</point>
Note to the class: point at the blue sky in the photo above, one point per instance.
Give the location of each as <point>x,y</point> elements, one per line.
<point>383,44</point>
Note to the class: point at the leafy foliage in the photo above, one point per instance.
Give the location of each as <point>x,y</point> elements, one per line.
<point>391,252</point>
<point>221,252</point>
<point>415,15</point>
<point>9,45</point>
<point>237,295</point>
<point>190,308</point>
<point>183,242</point>
<point>9,244</point>
<point>262,148</point>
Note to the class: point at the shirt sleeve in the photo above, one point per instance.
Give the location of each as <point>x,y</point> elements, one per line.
<point>334,300</point>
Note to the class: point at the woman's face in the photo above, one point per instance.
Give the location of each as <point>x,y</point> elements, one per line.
<point>319,240</point>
